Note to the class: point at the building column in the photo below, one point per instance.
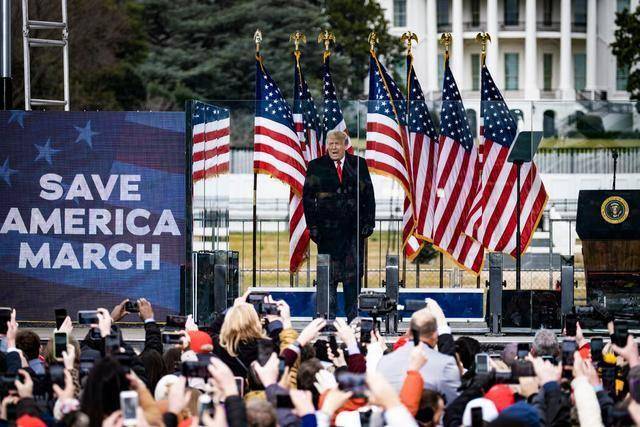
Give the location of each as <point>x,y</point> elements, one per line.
<point>592,20</point>
<point>431,59</point>
<point>457,48</point>
<point>493,51</point>
<point>531,90</point>
<point>567,91</point>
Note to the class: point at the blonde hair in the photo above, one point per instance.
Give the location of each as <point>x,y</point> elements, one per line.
<point>240,324</point>
<point>338,135</point>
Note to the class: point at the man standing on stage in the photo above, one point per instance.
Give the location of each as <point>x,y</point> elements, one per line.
<point>339,207</point>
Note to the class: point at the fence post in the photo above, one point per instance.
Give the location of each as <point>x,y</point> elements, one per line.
<point>441,270</point>
<point>550,253</point>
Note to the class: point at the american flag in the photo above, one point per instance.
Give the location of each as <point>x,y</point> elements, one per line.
<point>387,143</point>
<point>306,122</point>
<point>210,127</point>
<point>423,147</point>
<point>457,179</point>
<point>332,115</point>
<point>277,151</point>
<point>493,215</point>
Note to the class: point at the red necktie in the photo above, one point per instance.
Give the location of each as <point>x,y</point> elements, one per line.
<point>339,168</point>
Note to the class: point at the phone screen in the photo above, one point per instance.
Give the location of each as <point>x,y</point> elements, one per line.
<point>129,406</point>
<point>620,333</point>
<point>482,363</point>
<point>570,325</point>
<point>56,373</point>
<point>112,344</point>
<point>5,316</point>
<point>366,326</point>
<point>171,338</point>
<point>523,350</point>
<point>476,417</point>
<point>60,315</point>
<point>176,321</point>
<point>60,340</point>
<point>87,317</point>
<point>240,385</point>
<point>596,349</point>
<point>283,401</point>
<point>265,349</point>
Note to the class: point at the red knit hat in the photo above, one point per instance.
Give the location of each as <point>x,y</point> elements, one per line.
<point>29,421</point>
<point>201,342</point>
<point>501,395</point>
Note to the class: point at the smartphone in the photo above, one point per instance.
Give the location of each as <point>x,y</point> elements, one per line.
<point>56,373</point>
<point>416,337</point>
<point>60,341</point>
<point>171,338</point>
<point>60,315</point>
<point>94,334</point>
<point>176,321</point>
<point>205,403</point>
<point>240,385</point>
<point>597,344</point>
<point>482,363</point>
<point>333,345</point>
<point>267,308</point>
<point>570,326</point>
<point>193,369</point>
<point>609,378</point>
<point>284,401</point>
<point>265,349</point>
<point>12,412</point>
<point>620,333</point>
<point>132,306</point>
<point>523,350</point>
<point>129,407</point>
<point>476,417</point>
<point>366,327</point>
<point>329,327</point>
<point>522,368</point>
<point>568,348</point>
<point>86,365</point>
<point>112,344</point>
<point>87,317</point>
<point>5,316</point>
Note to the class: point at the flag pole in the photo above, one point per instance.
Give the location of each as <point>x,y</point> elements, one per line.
<point>257,38</point>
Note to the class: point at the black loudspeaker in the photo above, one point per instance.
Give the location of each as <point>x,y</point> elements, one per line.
<point>566,284</point>
<point>495,292</point>
<point>323,275</point>
<point>392,278</point>
<point>531,309</point>
<point>216,283</point>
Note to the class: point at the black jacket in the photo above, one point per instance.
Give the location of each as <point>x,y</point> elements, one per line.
<point>340,215</point>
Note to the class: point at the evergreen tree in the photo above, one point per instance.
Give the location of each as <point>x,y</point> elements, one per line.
<point>625,47</point>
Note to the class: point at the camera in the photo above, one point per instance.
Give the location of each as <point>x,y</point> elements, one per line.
<point>375,303</point>
<point>132,307</point>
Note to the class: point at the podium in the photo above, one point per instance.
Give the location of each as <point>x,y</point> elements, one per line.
<point>608,223</point>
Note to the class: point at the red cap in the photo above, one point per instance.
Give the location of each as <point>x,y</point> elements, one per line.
<point>501,395</point>
<point>201,342</point>
<point>29,421</point>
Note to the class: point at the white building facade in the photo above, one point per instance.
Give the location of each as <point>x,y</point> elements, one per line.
<point>540,49</point>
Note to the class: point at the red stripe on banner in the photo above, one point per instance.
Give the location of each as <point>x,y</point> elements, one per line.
<point>510,229</point>
<point>533,219</point>
<point>279,137</point>
<point>385,130</point>
<point>208,154</point>
<point>284,158</point>
<point>268,168</point>
<point>385,149</point>
<point>211,135</point>
<point>385,169</point>
<point>452,158</point>
<point>453,200</point>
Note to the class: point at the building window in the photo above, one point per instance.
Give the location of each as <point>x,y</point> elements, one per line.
<point>549,124</point>
<point>579,71</point>
<point>441,67</point>
<point>511,71</point>
<point>622,5</point>
<point>475,71</point>
<point>511,12</point>
<point>547,12</point>
<point>579,8</point>
<point>547,70</point>
<point>622,75</point>
<point>400,13</point>
<point>475,13</point>
<point>443,13</point>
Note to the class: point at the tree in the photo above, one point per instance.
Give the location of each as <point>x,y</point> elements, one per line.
<point>352,21</point>
<point>625,47</point>
<point>106,44</point>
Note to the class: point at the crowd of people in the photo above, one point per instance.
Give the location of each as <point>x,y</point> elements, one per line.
<point>250,367</point>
